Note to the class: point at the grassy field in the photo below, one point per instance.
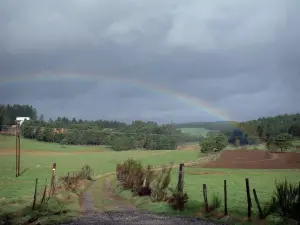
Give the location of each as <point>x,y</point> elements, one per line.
<point>195,131</point>
<point>297,142</point>
<point>37,159</point>
<point>262,180</point>
<point>9,142</point>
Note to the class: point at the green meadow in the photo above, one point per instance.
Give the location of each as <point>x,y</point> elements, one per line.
<point>199,131</point>
<point>194,178</point>
<point>37,158</point>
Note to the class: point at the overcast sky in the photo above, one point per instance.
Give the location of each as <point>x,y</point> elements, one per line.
<point>241,57</point>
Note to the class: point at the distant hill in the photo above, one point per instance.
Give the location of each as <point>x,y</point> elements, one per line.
<point>218,125</point>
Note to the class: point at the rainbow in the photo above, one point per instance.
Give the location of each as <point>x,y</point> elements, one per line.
<point>199,103</point>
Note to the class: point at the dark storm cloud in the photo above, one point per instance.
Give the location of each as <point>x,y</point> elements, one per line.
<point>239,56</point>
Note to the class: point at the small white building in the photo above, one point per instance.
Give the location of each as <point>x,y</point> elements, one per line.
<point>22,119</point>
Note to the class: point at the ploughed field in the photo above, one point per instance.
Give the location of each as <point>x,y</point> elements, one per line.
<point>255,159</point>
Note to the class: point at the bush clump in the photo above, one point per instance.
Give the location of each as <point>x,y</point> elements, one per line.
<point>149,182</point>
<point>133,176</point>
<point>285,201</point>
<point>144,181</point>
<point>178,199</point>
<point>160,184</point>
<point>72,182</point>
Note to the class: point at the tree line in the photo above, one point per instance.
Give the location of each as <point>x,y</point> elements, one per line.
<point>120,136</point>
<point>275,132</point>
<point>9,113</point>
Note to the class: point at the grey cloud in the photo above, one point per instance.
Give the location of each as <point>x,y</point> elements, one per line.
<point>239,56</point>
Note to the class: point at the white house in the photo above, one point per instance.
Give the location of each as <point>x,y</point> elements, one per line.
<point>22,119</point>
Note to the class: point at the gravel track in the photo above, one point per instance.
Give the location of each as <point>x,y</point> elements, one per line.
<point>127,214</point>
<point>135,218</point>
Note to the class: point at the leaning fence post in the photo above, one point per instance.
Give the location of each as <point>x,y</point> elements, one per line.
<point>35,193</point>
<point>44,193</point>
<point>248,198</point>
<point>258,205</point>
<point>205,197</point>
<point>225,198</point>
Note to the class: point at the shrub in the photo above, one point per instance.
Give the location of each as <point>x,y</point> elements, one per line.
<point>132,175</point>
<point>144,181</point>
<point>71,183</point>
<point>85,172</point>
<point>160,184</point>
<point>121,144</point>
<point>216,203</point>
<point>285,201</point>
<point>178,199</point>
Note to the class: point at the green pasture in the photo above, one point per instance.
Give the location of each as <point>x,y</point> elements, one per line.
<point>200,131</point>
<point>296,142</point>
<point>34,165</point>
<point>17,193</point>
<point>39,166</point>
<point>9,142</point>
<point>262,180</point>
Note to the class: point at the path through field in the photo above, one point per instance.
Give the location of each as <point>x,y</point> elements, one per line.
<point>115,210</point>
<point>118,211</point>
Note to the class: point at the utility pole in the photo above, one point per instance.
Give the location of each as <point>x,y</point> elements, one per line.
<point>17,149</point>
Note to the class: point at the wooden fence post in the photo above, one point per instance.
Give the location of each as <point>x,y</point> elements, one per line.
<point>44,193</point>
<point>53,179</point>
<point>248,198</point>
<point>205,197</point>
<point>35,193</point>
<point>225,198</point>
<point>258,205</point>
<point>180,178</point>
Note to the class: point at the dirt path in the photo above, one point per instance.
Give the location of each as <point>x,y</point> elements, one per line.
<point>117,211</point>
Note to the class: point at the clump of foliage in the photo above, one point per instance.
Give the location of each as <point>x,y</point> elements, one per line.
<point>285,201</point>
<point>283,141</point>
<point>215,203</point>
<point>214,143</point>
<point>72,182</point>
<point>161,183</point>
<point>133,176</point>
<point>144,181</point>
<point>121,144</point>
<point>178,199</point>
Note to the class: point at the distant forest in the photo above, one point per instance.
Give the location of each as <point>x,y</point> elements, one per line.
<point>141,134</point>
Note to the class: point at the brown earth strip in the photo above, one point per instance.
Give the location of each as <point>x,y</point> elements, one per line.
<point>255,159</point>
<point>222,173</point>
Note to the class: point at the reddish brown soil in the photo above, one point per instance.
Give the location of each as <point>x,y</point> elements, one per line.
<point>255,159</point>
<point>219,172</point>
